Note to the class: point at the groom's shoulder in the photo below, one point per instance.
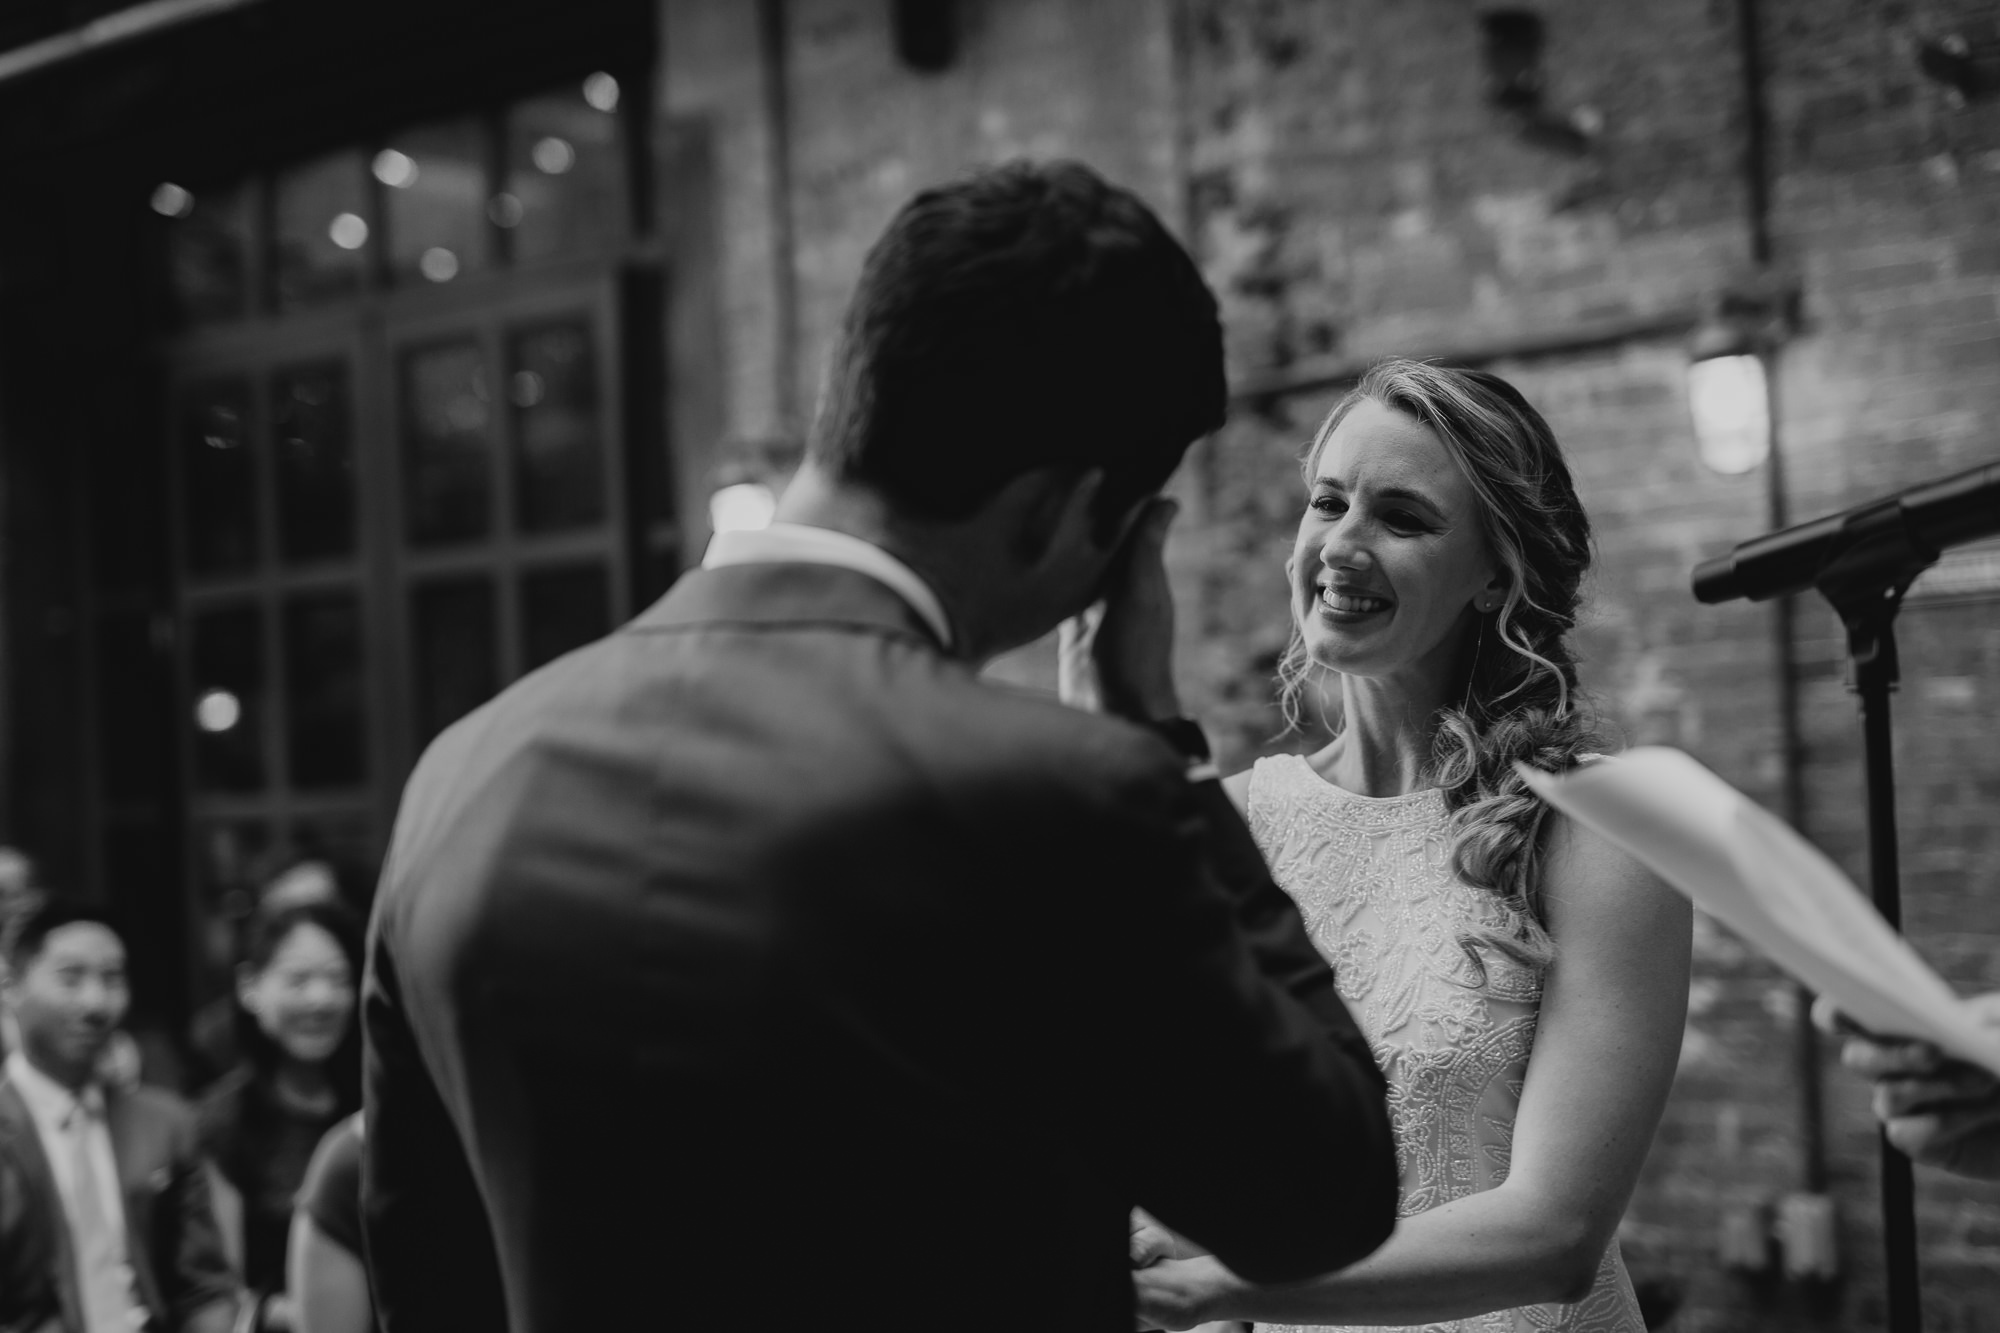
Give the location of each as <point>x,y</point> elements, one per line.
<point>1006,738</point>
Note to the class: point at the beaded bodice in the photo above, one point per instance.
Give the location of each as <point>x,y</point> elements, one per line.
<point>1372,879</point>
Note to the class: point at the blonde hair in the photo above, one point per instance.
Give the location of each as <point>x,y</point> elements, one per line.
<point>1519,697</point>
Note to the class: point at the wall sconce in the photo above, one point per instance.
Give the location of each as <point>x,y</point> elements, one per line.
<point>742,507</point>
<point>1515,82</point>
<point>1951,63</point>
<point>926,33</point>
<point>1806,1237</point>
<point>1743,1242</point>
<point>1731,405</point>
<point>1729,391</point>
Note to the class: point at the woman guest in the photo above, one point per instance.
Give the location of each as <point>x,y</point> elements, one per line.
<point>1522,982</point>
<point>326,1275</point>
<point>299,1077</point>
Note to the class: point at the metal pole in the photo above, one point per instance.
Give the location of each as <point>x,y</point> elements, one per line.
<point>1875,679</point>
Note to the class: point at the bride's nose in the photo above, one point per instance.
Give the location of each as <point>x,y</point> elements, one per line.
<point>1343,547</point>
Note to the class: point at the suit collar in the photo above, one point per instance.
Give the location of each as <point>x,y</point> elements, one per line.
<point>47,1100</point>
<point>785,593</point>
<point>802,543</point>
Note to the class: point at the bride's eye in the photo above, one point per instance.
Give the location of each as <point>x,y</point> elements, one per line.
<point>1330,505</point>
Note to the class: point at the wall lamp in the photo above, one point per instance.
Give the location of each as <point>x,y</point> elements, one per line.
<point>926,33</point>
<point>1729,392</point>
<point>750,473</point>
<point>742,506</point>
<point>1951,62</point>
<point>1512,47</point>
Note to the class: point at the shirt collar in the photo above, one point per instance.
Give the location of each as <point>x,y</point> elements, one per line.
<point>799,543</point>
<point>49,1101</point>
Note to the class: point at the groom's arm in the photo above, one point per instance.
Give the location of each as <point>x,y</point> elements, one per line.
<point>1244,1108</point>
<point>1266,915</point>
<point>430,1252</point>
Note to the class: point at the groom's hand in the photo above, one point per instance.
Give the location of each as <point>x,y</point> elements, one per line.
<point>1151,1242</point>
<point>1118,656</point>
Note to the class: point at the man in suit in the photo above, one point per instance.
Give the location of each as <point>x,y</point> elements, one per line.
<point>105,1223</point>
<point>761,967</point>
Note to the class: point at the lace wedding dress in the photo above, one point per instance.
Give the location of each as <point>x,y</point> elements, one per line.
<point>1372,878</point>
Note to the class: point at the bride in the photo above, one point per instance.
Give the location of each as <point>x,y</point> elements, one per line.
<point>1523,983</point>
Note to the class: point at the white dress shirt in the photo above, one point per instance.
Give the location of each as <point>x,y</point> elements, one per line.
<point>61,1117</point>
<point>796,543</point>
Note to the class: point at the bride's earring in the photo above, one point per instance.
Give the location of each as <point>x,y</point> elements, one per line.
<point>1484,606</point>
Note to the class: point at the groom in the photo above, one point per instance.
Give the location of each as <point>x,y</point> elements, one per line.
<point>759,967</point>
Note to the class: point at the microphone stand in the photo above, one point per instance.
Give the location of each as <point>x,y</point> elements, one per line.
<point>1865,583</point>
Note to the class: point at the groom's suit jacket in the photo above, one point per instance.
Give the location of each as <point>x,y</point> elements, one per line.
<point>759,967</point>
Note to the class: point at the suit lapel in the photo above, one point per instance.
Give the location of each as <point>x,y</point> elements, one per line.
<point>19,1136</point>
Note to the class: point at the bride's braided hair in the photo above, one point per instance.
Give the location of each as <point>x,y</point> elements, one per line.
<point>1518,689</point>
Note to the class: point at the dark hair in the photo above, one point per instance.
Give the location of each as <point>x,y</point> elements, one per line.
<point>1519,694</point>
<point>268,930</point>
<point>1028,315</point>
<point>31,929</point>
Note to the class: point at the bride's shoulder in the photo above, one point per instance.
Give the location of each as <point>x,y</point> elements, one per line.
<point>1264,783</point>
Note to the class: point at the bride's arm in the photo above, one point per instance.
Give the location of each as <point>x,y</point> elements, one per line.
<point>1613,1008</point>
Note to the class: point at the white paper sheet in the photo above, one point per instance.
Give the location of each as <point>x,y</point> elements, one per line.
<point>1754,874</point>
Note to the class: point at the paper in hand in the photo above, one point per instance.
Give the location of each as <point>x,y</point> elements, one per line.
<point>1750,871</point>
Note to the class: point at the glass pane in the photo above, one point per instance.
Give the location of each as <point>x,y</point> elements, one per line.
<point>326,737</point>
<point>208,251</point>
<point>218,478</point>
<point>133,694</point>
<point>565,187</point>
<point>436,201</point>
<point>315,460</point>
<point>449,477</point>
<point>457,651</point>
<point>323,232</point>
<point>226,703</point>
<point>561,609</point>
<point>559,459</point>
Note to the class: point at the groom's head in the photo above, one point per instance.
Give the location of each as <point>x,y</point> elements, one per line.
<point>1027,356</point>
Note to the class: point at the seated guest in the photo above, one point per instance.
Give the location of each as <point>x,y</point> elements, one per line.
<point>213,1030</point>
<point>105,1219</point>
<point>324,1270</point>
<point>18,896</point>
<point>300,1076</point>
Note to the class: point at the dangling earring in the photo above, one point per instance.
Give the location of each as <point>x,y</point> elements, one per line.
<point>1484,607</point>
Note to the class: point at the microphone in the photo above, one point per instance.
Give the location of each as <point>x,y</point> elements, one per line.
<point>1901,532</point>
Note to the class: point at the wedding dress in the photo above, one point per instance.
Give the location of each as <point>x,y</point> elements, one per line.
<point>1372,879</point>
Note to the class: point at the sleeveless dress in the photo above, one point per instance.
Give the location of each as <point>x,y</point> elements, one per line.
<point>1372,878</point>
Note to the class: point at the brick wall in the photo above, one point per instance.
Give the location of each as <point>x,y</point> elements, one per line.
<point>1351,193</point>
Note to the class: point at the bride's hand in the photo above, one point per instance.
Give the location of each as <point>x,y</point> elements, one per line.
<point>1181,1293</point>
<point>1118,656</point>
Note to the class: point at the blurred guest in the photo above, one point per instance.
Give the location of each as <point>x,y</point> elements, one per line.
<point>106,1224</point>
<point>1940,1111</point>
<point>17,896</point>
<point>213,1031</point>
<point>300,1075</point>
<point>325,1272</point>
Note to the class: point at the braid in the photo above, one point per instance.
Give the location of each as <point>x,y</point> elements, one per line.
<point>1497,824</point>
<point>1520,700</point>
